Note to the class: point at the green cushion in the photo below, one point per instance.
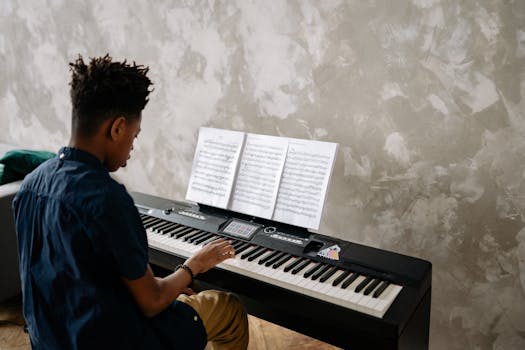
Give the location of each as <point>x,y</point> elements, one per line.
<point>18,163</point>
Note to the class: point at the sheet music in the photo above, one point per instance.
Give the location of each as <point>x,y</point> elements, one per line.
<point>214,166</point>
<point>258,176</point>
<point>304,182</point>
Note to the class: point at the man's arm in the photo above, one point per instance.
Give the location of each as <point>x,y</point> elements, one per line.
<point>153,295</point>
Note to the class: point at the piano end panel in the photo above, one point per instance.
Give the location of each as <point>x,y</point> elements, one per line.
<point>415,336</point>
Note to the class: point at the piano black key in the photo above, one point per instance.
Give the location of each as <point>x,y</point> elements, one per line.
<point>251,251</point>
<point>266,258</point>
<point>158,224</point>
<point>242,248</point>
<point>371,286</point>
<point>204,238</point>
<point>312,270</point>
<point>237,244</point>
<point>281,261</point>
<point>183,231</point>
<point>341,278</point>
<point>363,284</point>
<point>210,239</point>
<point>258,254</point>
<point>274,259</point>
<point>301,266</point>
<point>380,289</point>
<point>197,236</point>
<point>153,222</point>
<point>171,230</point>
<point>161,227</point>
<point>328,274</point>
<point>293,264</point>
<point>191,234</point>
<point>166,229</point>
<point>349,280</point>
<point>321,271</point>
<point>147,220</point>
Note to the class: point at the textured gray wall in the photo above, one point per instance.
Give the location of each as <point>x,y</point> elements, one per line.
<point>426,99</point>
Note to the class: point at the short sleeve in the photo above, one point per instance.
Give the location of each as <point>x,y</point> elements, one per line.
<point>123,233</point>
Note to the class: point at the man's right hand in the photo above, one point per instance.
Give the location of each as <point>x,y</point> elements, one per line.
<point>210,255</point>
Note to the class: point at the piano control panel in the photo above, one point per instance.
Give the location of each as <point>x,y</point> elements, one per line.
<point>241,229</point>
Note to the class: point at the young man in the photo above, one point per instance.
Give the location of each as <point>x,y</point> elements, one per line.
<point>83,250</point>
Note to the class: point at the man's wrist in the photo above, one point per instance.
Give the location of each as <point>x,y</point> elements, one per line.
<point>188,269</point>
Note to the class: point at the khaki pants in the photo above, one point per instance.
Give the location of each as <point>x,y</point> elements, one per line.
<point>223,316</point>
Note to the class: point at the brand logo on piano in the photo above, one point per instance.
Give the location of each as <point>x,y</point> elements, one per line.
<point>331,252</point>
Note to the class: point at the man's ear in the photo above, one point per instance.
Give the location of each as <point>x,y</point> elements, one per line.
<point>118,127</point>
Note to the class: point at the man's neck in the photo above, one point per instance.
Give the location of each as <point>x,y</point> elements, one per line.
<point>90,145</point>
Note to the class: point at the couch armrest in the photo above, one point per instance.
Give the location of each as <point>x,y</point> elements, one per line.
<point>9,274</point>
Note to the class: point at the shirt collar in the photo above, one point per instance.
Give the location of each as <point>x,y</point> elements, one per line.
<point>75,154</point>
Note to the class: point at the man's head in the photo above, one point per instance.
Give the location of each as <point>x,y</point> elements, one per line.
<point>107,99</point>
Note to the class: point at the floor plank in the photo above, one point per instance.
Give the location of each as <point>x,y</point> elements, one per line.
<point>263,335</point>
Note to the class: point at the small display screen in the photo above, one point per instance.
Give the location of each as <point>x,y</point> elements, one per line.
<point>241,229</point>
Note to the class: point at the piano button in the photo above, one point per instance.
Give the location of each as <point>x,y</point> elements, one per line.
<point>274,259</point>
<point>257,254</point>
<point>268,257</point>
<point>328,274</point>
<point>363,284</point>
<point>371,286</point>
<point>242,248</point>
<point>349,280</point>
<point>301,266</point>
<point>381,289</point>
<point>293,264</point>
<point>321,271</point>
<point>251,251</point>
<point>312,270</point>
<point>282,260</point>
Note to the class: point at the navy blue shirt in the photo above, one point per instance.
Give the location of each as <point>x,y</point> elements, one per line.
<point>79,233</point>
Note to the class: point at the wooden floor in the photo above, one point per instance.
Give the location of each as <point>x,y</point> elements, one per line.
<point>263,335</point>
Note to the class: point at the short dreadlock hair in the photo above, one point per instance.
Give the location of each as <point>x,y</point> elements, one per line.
<point>103,90</point>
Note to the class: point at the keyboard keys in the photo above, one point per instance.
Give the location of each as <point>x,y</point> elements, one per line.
<point>317,279</point>
<point>363,284</point>
<point>372,286</point>
<point>349,280</point>
<point>312,270</point>
<point>381,289</point>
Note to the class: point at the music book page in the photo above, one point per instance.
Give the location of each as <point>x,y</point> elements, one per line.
<point>270,177</point>
<point>304,182</point>
<point>214,166</point>
<point>259,174</point>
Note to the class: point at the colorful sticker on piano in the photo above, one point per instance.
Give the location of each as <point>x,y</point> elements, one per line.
<point>331,252</point>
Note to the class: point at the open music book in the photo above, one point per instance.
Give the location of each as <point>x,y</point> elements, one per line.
<point>277,178</point>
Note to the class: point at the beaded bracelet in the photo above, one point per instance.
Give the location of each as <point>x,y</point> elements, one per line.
<point>187,268</point>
